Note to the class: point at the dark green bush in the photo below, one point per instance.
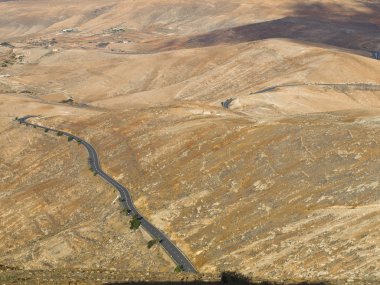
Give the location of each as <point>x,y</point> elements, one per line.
<point>178,269</point>
<point>135,222</point>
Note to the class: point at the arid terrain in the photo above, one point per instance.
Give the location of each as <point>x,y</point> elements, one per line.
<point>280,182</point>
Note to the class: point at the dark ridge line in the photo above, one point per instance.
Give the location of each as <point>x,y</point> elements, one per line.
<point>362,86</point>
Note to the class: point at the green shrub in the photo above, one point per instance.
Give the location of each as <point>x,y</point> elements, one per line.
<point>59,134</point>
<point>135,222</point>
<point>152,242</point>
<point>178,269</point>
<point>126,212</point>
<point>79,141</point>
<point>46,130</point>
<point>70,138</point>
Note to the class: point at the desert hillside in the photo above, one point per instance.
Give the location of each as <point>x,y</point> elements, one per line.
<point>247,131</point>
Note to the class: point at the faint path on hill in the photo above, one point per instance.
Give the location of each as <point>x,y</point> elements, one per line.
<point>338,86</point>
<point>126,199</point>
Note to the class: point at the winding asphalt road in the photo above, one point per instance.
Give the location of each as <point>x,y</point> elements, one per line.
<point>174,252</point>
<point>358,86</point>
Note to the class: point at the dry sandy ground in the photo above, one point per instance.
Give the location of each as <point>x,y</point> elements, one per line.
<point>284,183</point>
<point>54,213</point>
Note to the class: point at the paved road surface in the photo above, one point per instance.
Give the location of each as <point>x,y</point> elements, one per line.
<point>173,251</point>
<point>354,86</point>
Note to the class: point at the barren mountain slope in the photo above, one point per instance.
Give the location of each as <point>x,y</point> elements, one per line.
<point>55,213</point>
<point>46,18</point>
<point>283,183</point>
<point>315,78</point>
<point>261,198</point>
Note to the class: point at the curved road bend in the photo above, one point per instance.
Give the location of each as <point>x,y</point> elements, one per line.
<point>358,86</point>
<point>174,252</point>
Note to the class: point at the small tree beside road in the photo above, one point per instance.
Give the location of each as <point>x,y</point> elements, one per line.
<point>135,222</point>
<point>127,212</point>
<point>178,269</point>
<point>152,242</point>
<point>93,171</point>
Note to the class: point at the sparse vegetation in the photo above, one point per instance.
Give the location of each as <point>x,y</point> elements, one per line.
<point>93,171</point>
<point>135,222</point>
<point>152,242</point>
<point>178,269</point>
<point>59,134</point>
<point>70,138</point>
<point>127,212</point>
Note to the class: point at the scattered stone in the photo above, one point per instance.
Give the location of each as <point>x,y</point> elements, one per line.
<point>117,30</point>
<point>102,44</point>
<point>6,44</point>
<point>70,30</point>
<point>226,104</point>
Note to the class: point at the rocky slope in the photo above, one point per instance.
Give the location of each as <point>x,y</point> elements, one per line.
<point>56,213</point>
<point>275,194</point>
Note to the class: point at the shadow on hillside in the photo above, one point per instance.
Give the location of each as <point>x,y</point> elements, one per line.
<point>366,12</point>
<point>226,278</point>
<point>331,24</point>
